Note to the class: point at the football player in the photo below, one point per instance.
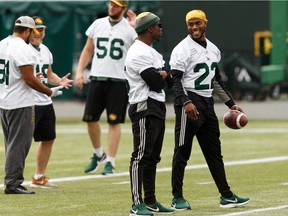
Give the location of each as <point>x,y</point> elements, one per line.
<point>194,68</point>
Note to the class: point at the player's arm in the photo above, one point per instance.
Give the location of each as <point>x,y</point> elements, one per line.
<point>166,75</point>
<point>154,79</point>
<point>180,95</point>
<point>178,87</point>
<point>131,17</point>
<point>84,60</point>
<point>221,90</point>
<point>27,72</point>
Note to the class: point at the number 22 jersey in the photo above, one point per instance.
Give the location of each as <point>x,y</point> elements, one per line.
<point>198,65</point>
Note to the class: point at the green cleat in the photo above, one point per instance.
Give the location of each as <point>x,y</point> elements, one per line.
<point>233,201</point>
<point>95,163</point>
<point>180,204</point>
<point>108,169</point>
<point>158,208</point>
<point>140,209</point>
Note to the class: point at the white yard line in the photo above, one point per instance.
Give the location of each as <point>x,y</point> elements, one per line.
<point>256,210</point>
<point>83,130</point>
<point>61,130</point>
<point>166,169</point>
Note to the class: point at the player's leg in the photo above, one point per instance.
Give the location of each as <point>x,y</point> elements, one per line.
<point>209,141</point>
<point>155,135</point>
<point>116,105</point>
<point>94,132</point>
<point>43,155</point>
<point>94,107</point>
<point>18,126</point>
<point>114,135</point>
<point>184,133</point>
<point>45,134</point>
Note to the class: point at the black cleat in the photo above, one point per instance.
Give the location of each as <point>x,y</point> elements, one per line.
<point>19,190</point>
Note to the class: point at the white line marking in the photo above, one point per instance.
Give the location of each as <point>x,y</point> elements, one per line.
<point>256,210</point>
<point>74,130</point>
<point>122,183</point>
<point>171,130</point>
<point>285,184</point>
<point>205,183</point>
<point>165,169</point>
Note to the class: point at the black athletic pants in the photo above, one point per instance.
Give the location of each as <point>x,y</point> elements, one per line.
<point>148,136</point>
<point>206,129</point>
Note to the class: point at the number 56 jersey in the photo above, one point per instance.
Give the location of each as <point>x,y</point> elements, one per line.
<point>198,65</point>
<point>111,43</point>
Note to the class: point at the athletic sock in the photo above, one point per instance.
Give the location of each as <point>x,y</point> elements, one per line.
<point>112,160</point>
<point>98,151</point>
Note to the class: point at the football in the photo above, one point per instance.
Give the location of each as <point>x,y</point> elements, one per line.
<point>235,119</point>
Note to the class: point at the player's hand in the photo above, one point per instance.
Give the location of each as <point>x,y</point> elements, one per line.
<point>191,111</point>
<point>131,17</point>
<point>56,91</point>
<point>39,76</point>
<point>235,107</point>
<point>65,82</point>
<point>79,79</point>
<point>164,74</point>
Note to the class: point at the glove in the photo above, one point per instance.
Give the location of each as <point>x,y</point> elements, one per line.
<point>56,91</point>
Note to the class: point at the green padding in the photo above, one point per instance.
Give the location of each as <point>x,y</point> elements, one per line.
<point>272,74</point>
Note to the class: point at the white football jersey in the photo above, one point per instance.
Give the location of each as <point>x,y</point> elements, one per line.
<point>110,47</point>
<point>140,57</point>
<point>197,63</point>
<point>14,92</point>
<point>44,58</point>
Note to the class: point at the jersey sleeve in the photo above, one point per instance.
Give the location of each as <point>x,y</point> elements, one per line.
<point>50,57</point>
<point>178,60</point>
<point>141,63</point>
<point>24,56</point>
<point>89,32</point>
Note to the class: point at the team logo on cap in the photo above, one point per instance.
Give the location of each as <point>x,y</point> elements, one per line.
<point>38,21</point>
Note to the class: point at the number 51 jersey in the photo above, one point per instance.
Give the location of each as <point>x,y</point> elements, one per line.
<point>14,92</point>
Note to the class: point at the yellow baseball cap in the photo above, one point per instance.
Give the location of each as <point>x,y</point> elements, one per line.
<point>39,22</point>
<point>196,14</point>
<point>121,3</point>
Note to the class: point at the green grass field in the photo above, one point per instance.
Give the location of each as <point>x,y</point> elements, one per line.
<point>256,160</point>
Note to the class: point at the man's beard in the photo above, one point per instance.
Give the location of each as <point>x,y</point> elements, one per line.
<point>28,38</point>
<point>116,16</point>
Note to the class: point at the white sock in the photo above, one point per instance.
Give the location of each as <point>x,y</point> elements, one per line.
<point>98,151</point>
<point>38,176</point>
<point>112,160</point>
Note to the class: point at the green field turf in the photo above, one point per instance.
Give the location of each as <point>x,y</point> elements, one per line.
<point>256,160</point>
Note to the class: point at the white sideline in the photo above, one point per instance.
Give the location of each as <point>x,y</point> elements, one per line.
<point>165,169</point>
<point>256,210</point>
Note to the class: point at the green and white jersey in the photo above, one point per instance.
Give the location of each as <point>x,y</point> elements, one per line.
<point>197,63</point>
<point>14,92</point>
<point>111,43</point>
<point>140,57</point>
<point>44,58</point>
